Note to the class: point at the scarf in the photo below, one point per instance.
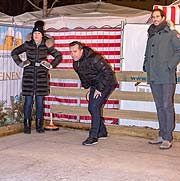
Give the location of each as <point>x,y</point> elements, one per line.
<point>155,29</point>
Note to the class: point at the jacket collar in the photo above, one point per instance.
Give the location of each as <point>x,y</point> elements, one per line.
<point>155,29</point>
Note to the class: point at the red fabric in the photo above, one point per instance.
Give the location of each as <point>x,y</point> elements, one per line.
<point>171,12</point>
<point>106,41</point>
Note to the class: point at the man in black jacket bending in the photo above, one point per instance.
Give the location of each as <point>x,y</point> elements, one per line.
<point>96,74</point>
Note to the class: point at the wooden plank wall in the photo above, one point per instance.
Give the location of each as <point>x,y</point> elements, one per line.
<point>122,76</point>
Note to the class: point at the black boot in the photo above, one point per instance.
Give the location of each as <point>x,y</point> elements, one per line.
<point>27,126</point>
<point>39,126</point>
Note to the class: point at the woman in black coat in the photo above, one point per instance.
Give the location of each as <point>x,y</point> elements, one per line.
<point>35,81</point>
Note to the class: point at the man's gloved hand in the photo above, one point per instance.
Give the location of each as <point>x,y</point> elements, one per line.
<point>24,63</point>
<point>46,64</point>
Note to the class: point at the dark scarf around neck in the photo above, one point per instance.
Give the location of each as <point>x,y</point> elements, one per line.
<point>155,29</point>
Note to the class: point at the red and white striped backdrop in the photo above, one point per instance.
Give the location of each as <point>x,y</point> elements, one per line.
<point>172,12</point>
<point>107,41</point>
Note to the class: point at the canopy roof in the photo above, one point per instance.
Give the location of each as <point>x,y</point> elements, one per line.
<point>85,15</point>
<point>4,18</point>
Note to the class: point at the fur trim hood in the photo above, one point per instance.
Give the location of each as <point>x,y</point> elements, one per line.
<point>49,41</point>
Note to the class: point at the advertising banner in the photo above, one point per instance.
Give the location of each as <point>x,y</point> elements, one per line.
<point>10,73</point>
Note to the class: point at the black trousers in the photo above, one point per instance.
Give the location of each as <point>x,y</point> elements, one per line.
<point>95,109</point>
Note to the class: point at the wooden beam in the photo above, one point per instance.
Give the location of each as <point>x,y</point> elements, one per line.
<point>120,95</point>
<point>112,113</point>
<point>73,92</point>
<point>63,74</point>
<point>124,76</point>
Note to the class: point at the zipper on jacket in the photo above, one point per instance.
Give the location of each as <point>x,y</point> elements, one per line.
<point>35,69</point>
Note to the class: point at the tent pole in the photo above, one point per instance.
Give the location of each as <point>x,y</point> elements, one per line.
<point>45,8</point>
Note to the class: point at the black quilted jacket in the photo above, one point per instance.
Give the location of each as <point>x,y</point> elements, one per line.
<point>35,79</point>
<point>93,70</point>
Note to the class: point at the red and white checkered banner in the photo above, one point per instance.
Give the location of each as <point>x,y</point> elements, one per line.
<point>107,41</point>
<point>172,12</point>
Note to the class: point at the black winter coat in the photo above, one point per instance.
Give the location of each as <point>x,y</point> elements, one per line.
<point>162,56</point>
<point>94,71</point>
<point>35,79</point>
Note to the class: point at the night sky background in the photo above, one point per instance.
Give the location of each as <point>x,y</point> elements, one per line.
<point>16,7</point>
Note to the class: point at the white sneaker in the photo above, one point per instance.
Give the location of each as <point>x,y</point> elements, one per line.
<point>157,140</point>
<point>165,144</point>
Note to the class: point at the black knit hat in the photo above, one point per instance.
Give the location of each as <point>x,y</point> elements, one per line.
<point>39,26</point>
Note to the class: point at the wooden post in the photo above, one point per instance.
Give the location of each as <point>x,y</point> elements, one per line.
<point>45,2</point>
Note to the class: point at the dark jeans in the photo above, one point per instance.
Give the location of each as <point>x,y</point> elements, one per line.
<point>94,107</point>
<point>28,107</point>
<point>164,99</point>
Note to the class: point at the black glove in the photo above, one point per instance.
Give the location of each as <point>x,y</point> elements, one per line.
<point>25,63</point>
<point>144,69</point>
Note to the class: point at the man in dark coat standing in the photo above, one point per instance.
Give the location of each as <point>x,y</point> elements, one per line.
<point>35,81</point>
<point>161,58</point>
<point>96,74</point>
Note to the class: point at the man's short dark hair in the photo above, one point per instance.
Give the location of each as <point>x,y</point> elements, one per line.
<point>80,46</point>
<point>159,10</point>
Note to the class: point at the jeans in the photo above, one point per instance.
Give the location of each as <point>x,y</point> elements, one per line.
<point>28,104</point>
<point>164,99</point>
<point>94,107</point>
